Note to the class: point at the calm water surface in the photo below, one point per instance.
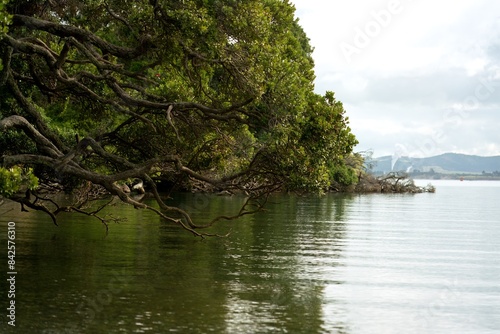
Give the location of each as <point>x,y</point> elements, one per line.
<point>426,263</point>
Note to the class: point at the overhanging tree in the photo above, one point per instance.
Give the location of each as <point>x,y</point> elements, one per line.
<point>202,95</point>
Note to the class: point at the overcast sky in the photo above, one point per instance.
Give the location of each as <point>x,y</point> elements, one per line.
<point>417,78</point>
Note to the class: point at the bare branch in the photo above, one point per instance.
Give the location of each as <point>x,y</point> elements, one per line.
<point>27,46</point>
<point>21,123</point>
<point>6,58</point>
<point>119,18</point>
<point>25,201</point>
<point>81,34</point>
<point>169,119</point>
<point>28,107</point>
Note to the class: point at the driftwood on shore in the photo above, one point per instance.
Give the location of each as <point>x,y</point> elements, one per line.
<point>394,182</point>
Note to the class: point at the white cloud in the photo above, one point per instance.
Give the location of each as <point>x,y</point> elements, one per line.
<point>418,70</point>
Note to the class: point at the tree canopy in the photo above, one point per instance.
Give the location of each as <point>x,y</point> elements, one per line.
<point>200,95</point>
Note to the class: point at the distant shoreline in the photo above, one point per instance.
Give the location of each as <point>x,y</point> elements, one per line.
<point>464,177</point>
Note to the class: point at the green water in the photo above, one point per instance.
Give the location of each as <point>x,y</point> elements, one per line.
<point>425,263</point>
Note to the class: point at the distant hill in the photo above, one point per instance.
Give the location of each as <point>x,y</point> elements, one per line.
<point>448,163</point>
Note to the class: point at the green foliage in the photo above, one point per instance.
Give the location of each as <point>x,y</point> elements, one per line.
<point>15,179</point>
<point>213,53</point>
<point>343,175</point>
<point>15,143</point>
<point>5,20</point>
<point>5,17</point>
<point>314,144</point>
